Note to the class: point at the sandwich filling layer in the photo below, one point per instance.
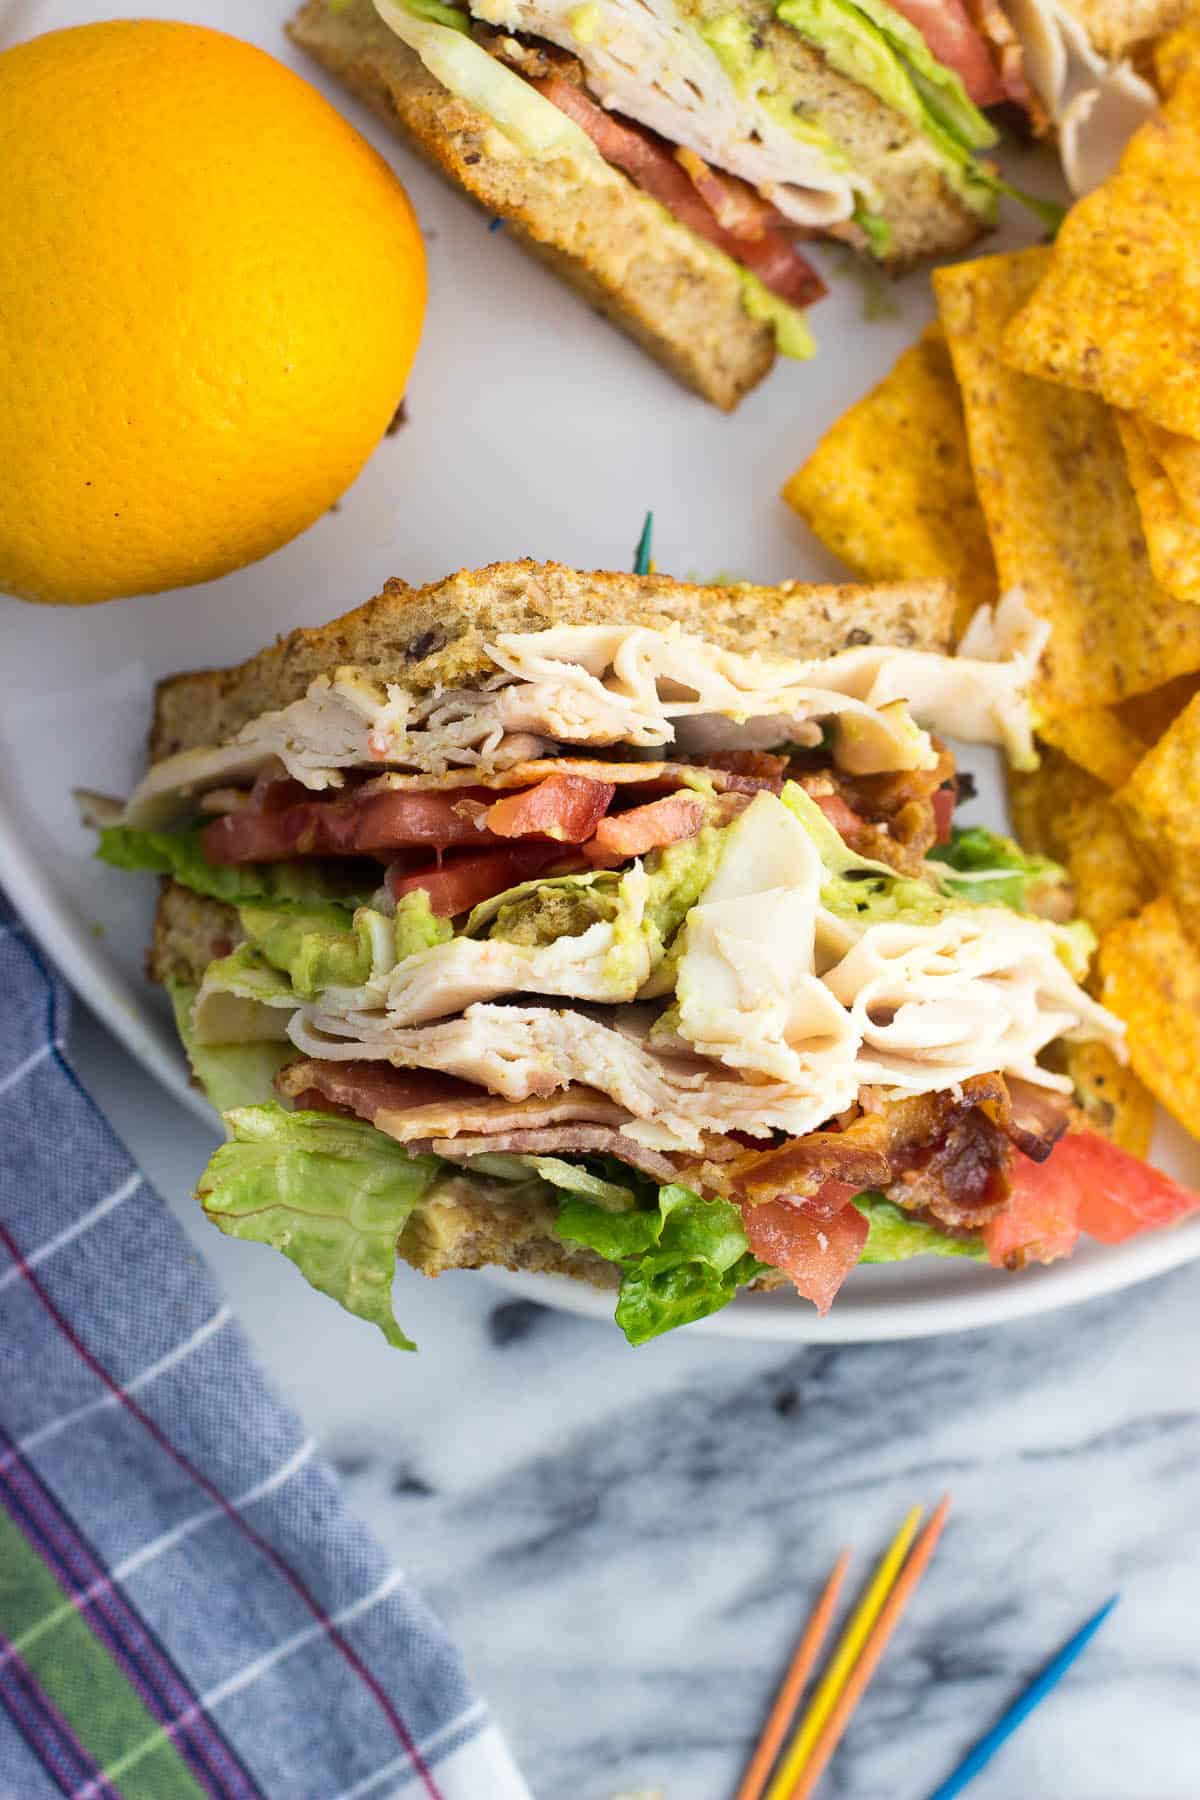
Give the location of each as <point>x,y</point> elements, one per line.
<point>751,121</point>
<point>485,975</point>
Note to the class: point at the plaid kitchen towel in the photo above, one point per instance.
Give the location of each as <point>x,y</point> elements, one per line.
<point>187,1607</point>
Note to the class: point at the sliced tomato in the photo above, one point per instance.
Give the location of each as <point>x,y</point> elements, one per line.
<point>1040,1222</point>
<point>944,802</point>
<point>1119,1194</point>
<point>650,163</point>
<point>644,828</point>
<point>818,1253</point>
<point>949,32</point>
<point>353,827</point>
<point>567,808</point>
<point>457,883</point>
<point>1086,1184</point>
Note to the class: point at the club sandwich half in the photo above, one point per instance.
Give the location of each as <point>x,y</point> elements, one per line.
<point>671,158</point>
<point>613,926</point>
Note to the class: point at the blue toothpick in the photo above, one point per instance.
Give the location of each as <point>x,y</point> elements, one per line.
<point>1037,1690</point>
<point>641,556</point>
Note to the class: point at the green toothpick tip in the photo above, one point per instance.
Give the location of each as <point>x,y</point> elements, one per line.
<point>641,556</point>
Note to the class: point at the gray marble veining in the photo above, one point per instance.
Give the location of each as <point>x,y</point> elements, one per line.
<point>626,1543</point>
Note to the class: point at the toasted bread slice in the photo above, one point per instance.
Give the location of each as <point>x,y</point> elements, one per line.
<point>434,636</point>
<point>675,293</point>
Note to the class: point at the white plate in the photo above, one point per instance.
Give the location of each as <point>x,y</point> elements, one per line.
<point>534,430</point>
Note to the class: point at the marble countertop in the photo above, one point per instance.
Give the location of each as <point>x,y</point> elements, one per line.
<point>625,1543</point>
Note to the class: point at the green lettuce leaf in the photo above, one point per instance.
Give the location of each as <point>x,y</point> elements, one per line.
<point>987,868</point>
<point>683,1260</point>
<point>179,853</point>
<point>895,1235</point>
<point>333,1194</point>
<point>230,1074</point>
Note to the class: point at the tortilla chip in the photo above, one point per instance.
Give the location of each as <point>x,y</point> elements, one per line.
<point>1151,978</point>
<point>1098,740</point>
<point>1060,512</point>
<point>1177,55</point>
<point>1116,1102</point>
<point>1066,814</point>
<point>1118,313</point>
<point>1117,27</point>
<point>1160,804</point>
<point>1180,459</point>
<point>1149,714</point>
<point>1172,539</point>
<point>889,487</point>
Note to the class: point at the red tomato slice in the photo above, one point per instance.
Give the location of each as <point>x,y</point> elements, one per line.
<point>818,1253</point>
<point>1119,1194</point>
<point>353,827</point>
<point>460,882</point>
<point>949,32</point>
<point>1041,1220</point>
<point>1086,1184</point>
<point>567,808</point>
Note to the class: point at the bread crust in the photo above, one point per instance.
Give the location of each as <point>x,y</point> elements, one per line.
<point>676,294</point>
<point>435,635</point>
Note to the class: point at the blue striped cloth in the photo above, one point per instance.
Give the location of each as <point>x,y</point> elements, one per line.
<point>187,1607</point>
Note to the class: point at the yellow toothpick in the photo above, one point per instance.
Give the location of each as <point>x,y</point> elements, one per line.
<point>844,1658</point>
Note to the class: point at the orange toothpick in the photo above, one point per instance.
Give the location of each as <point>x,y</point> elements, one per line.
<point>788,1697</point>
<point>872,1650</point>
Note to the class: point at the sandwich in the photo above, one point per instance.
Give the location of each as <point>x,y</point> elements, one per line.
<point>616,927</point>
<point>667,159</point>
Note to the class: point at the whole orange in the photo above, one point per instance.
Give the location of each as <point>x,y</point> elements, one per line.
<point>211,291</point>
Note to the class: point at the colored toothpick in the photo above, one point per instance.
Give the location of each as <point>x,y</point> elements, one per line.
<point>872,1650</point>
<point>788,1697</point>
<point>643,561</point>
<point>838,1673</point>
<point>1021,1708</point>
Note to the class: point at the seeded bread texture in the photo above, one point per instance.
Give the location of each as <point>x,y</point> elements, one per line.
<point>189,932</point>
<point>435,635</point>
<point>676,294</point>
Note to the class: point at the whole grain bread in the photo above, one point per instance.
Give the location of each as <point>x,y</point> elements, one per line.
<point>189,932</point>
<point>676,294</point>
<point>434,636</point>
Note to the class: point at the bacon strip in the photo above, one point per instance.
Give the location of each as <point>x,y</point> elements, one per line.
<point>577,1140</point>
<point>567,808</point>
<point>1008,57</point>
<point>943,1154</point>
<point>670,820</point>
<point>651,164</point>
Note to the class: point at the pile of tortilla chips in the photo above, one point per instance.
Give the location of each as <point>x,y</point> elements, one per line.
<point>1046,436</point>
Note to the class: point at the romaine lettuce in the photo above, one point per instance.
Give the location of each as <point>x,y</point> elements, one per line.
<point>179,853</point>
<point>682,1260</point>
<point>894,1235</point>
<point>230,1074</point>
<point>333,1194</point>
<point>987,868</point>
